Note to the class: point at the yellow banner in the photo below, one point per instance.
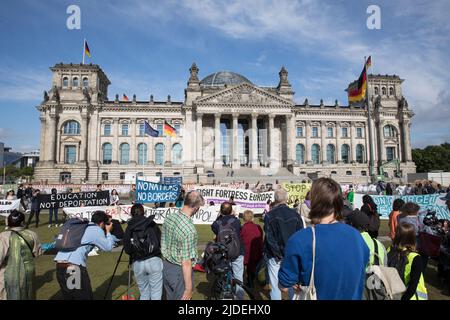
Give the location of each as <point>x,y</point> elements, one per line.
<point>296,191</point>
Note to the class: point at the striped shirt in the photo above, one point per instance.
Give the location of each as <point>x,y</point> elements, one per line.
<point>179,239</point>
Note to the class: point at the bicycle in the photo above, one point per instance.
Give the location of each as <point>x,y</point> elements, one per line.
<point>225,284</point>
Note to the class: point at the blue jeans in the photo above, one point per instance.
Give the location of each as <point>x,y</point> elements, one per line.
<point>149,278</point>
<point>51,212</point>
<point>238,274</point>
<point>273,267</point>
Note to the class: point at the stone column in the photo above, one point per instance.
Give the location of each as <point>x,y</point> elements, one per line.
<point>93,143</point>
<point>323,146</point>
<point>290,138</point>
<point>199,140</point>
<point>115,145</point>
<point>338,145</point>
<point>235,148</point>
<point>151,146</point>
<point>366,146</point>
<point>43,119</point>
<point>406,141</point>
<point>51,135</point>
<point>168,151</point>
<point>84,136</point>
<point>352,143</point>
<point>133,146</point>
<point>273,159</point>
<point>308,143</point>
<point>382,152</point>
<point>254,162</point>
<point>217,142</point>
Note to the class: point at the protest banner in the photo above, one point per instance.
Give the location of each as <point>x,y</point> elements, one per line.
<point>150,192</point>
<point>172,180</point>
<point>205,215</point>
<point>244,198</point>
<point>427,201</point>
<point>61,188</point>
<point>121,213</point>
<point>77,199</point>
<point>6,206</point>
<point>296,191</point>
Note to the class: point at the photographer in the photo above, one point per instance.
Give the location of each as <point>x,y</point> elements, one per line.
<point>35,208</point>
<point>72,265</point>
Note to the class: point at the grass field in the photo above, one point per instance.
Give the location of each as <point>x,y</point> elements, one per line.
<point>102,266</point>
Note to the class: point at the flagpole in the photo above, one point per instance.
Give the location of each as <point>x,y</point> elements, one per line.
<point>84,49</point>
<point>369,119</point>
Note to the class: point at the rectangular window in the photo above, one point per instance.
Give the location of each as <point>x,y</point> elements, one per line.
<point>141,130</point>
<point>390,153</point>
<point>299,132</point>
<point>315,132</point>
<point>70,154</point>
<point>330,132</point>
<point>122,175</point>
<point>178,129</point>
<point>159,127</point>
<point>359,132</point>
<point>125,129</point>
<point>105,176</point>
<point>344,132</point>
<point>107,130</point>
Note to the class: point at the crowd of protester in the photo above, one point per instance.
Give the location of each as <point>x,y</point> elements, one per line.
<point>285,248</point>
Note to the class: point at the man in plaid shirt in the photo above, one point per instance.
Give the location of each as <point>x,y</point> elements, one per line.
<point>179,249</point>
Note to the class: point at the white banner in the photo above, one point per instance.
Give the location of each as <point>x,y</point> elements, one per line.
<point>6,206</point>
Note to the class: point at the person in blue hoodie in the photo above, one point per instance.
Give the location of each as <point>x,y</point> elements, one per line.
<point>341,254</point>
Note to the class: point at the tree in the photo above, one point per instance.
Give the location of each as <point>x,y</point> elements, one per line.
<point>432,158</point>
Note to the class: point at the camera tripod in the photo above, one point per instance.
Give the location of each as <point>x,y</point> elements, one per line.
<point>119,260</point>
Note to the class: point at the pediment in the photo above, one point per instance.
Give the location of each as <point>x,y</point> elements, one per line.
<point>244,94</point>
<point>70,140</point>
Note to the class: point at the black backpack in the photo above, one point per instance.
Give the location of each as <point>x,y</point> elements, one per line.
<point>227,236</point>
<point>142,240</point>
<point>398,260</point>
<point>70,235</point>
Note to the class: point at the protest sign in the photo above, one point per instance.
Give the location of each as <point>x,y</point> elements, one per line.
<point>6,206</point>
<point>296,191</point>
<point>77,199</point>
<point>205,215</point>
<point>172,180</point>
<point>121,213</point>
<point>427,201</point>
<point>150,192</point>
<point>244,198</point>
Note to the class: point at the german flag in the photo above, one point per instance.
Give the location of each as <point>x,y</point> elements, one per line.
<point>369,62</point>
<point>169,130</point>
<point>86,49</point>
<point>357,91</point>
<point>125,98</point>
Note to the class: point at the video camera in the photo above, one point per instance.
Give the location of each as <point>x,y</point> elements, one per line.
<point>434,223</point>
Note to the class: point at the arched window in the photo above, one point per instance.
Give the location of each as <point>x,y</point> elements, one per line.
<point>85,82</point>
<point>65,83</point>
<point>359,153</point>
<point>159,154</point>
<point>75,82</point>
<point>177,154</point>
<point>391,91</point>
<point>315,153</point>
<point>142,154</point>
<point>383,91</point>
<point>330,153</point>
<point>389,131</point>
<point>107,153</point>
<point>124,153</point>
<point>300,153</point>
<point>72,127</point>
<point>377,91</point>
<point>345,153</point>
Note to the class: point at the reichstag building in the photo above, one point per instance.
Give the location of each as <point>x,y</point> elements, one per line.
<point>225,123</point>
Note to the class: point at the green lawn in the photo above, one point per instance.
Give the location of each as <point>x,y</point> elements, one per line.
<point>101,268</point>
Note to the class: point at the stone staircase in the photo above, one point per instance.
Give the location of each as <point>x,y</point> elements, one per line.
<point>264,175</point>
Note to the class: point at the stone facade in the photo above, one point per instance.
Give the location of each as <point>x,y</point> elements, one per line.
<point>86,137</point>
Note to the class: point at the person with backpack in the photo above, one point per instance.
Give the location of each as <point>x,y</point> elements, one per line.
<point>74,242</point>
<point>53,212</point>
<point>279,225</point>
<point>179,248</point>
<point>370,209</point>
<point>18,250</point>
<point>227,226</point>
<point>142,242</point>
<point>403,256</point>
<point>330,257</point>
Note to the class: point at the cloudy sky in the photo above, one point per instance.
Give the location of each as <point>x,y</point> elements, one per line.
<point>146,47</point>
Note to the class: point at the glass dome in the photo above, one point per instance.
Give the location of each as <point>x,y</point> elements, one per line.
<point>224,78</point>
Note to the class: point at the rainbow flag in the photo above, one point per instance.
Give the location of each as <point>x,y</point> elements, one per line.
<point>125,98</point>
<point>86,49</point>
<point>169,130</point>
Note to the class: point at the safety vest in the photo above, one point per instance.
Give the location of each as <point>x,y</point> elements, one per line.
<point>370,243</point>
<point>421,291</point>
